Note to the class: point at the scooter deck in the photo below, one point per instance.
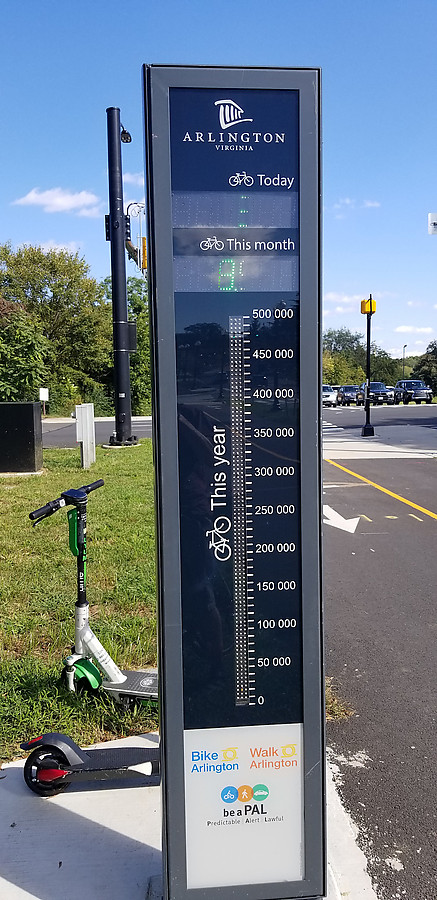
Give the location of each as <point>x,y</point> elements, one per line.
<point>117,757</point>
<point>137,684</point>
<point>113,764</point>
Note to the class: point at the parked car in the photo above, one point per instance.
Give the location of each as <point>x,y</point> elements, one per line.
<point>412,389</point>
<point>347,394</point>
<point>378,394</point>
<point>329,395</point>
<point>391,392</point>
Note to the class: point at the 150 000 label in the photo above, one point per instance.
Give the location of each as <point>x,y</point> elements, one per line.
<point>276,585</point>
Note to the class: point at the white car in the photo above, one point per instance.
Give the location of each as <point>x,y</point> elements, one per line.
<point>329,395</point>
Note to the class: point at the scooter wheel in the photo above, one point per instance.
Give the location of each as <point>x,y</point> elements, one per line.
<point>33,766</point>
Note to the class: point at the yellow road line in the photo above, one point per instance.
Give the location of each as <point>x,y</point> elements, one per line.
<point>384,490</point>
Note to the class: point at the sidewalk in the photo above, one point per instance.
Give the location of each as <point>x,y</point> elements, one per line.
<point>106,842</point>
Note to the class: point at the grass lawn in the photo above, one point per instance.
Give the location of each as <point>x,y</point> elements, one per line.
<point>38,591</point>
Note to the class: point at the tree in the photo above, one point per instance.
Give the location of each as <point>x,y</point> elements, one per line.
<point>350,343</point>
<point>22,351</point>
<point>426,367</point>
<point>383,367</point>
<point>55,289</point>
<point>345,359</point>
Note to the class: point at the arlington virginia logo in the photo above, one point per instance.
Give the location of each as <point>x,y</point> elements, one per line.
<point>231,137</point>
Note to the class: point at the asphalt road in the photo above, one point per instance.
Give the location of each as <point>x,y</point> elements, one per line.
<point>381,629</point>
<point>62,432</point>
<point>354,417</point>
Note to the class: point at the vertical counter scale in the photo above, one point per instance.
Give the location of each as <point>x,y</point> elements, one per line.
<point>232,159</point>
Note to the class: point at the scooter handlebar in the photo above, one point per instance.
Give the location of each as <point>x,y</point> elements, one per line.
<point>93,486</point>
<point>53,505</point>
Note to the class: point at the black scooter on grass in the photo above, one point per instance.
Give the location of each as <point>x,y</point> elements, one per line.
<point>56,762</point>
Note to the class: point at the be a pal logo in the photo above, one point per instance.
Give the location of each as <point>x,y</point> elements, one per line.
<point>252,799</point>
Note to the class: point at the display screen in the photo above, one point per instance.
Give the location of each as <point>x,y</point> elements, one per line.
<point>235,212</point>
<point>240,210</point>
<point>230,273</point>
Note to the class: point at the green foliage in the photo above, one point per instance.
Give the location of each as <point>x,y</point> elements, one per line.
<point>344,359</point>
<point>71,321</point>
<point>351,344</point>
<point>383,367</point>
<point>57,332</point>
<point>426,367</point>
<point>22,352</point>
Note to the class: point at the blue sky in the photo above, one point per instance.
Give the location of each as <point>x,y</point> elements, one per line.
<point>63,64</point>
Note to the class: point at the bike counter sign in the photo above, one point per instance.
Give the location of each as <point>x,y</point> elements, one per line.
<point>234,161</point>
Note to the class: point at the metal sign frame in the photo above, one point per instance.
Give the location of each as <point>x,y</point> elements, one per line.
<point>159,83</point>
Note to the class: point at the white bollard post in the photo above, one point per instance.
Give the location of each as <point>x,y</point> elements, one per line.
<point>86,433</point>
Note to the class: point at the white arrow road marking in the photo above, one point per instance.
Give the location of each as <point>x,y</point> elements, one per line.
<point>331,517</point>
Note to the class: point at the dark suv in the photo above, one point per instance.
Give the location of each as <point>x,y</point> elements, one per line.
<point>378,394</point>
<point>347,394</point>
<point>412,390</point>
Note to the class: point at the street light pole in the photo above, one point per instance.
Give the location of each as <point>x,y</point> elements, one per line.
<point>117,235</point>
<point>403,360</point>
<point>368,308</point>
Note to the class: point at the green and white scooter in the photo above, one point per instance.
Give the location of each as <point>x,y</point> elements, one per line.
<point>89,665</point>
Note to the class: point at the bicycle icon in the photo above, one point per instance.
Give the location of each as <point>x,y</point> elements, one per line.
<point>218,543</point>
<point>241,178</point>
<point>212,243</point>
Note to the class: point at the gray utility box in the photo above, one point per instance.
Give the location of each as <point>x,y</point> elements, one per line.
<point>20,437</point>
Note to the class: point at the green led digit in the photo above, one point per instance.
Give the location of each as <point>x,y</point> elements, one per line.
<point>226,279</point>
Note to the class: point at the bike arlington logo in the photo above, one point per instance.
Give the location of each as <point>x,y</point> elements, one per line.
<point>230,113</point>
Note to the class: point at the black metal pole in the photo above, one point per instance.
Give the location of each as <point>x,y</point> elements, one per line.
<point>117,229</point>
<point>367,429</point>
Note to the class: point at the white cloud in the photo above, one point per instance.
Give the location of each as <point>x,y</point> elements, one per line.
<point>396,352</point>
<point>343,206</point>
<point>334,297</point>
<point>136,178</point>
<point>70,247</point>
<point>412,329</point>
<point>80,203</point>
<point>346,204</point>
